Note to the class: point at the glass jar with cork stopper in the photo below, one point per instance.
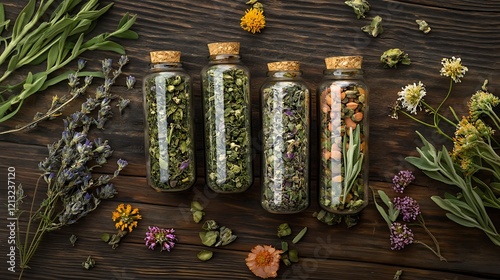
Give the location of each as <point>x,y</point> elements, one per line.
<point>169,141</point>
<point>227,113</point>
<point>343,136</point>
<point>285,111</point>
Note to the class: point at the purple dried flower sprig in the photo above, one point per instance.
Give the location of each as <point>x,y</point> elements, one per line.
<point>402,180</point>
<point>73,190</point>
<point>408,207</point>
<point>401,235</point>
<point>165,238</point>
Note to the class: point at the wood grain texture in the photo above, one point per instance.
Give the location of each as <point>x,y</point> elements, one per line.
<point>307,31</point>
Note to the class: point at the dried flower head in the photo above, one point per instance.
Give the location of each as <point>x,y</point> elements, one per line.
<point>482,102</point>
<point>408,208</point>
<point>264,261</point>
<point>401,180</point>
<point>423,26</point>
<point>401,235</point>
<point>160,236</point>
<point>411,96</point>
<point>360,7</point>
<point>453,68</point>
<point>467,137</point>
<point>253,21</point>
<point>126,217</point>
<point>130,82</point>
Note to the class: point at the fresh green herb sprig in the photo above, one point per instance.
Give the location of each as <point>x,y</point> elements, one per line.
<point>72,190</point>
<point>467,208</point>
<point>353,161</point>
<point>473,165</point>
<point>409,209</point>
<point>55,42</point>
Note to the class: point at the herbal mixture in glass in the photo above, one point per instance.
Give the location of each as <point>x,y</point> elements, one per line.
<point>285,142</point>
<point>169,124</point>
<point>226,104</point>
<point>343,135</point>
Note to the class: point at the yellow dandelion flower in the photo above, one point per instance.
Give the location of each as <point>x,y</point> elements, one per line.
<point>126,217</point>
<point>253,20</point>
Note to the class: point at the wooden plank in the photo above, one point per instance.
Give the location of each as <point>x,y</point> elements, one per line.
<point>307,31</point>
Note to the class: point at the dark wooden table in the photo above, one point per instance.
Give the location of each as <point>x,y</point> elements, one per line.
<point>307,31</point>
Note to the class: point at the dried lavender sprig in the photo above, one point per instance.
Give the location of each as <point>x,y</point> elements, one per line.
<point>68,169</point>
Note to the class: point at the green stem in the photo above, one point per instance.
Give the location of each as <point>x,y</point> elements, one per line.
<point>437,116</point>
<point>437,252</point>
<point>441,258</point>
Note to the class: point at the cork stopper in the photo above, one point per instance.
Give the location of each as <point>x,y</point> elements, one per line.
<point>224,48</point>
<point>344,62</point>
<point>284,66</point>
<point>165,56</point>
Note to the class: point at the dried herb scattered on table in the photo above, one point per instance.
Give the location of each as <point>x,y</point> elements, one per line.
<point>169,139</point>
<point>285,123</point>
<point>227,129</point>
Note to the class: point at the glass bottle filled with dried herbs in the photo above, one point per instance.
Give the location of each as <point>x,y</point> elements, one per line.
<point>285,105</point>
<point>169,141</point>
<point>343,136</point>
<point>227,113</point>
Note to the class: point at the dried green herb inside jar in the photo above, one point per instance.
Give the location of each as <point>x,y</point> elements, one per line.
<point>226,104</point>
<point>285,143</point>
<point>343,133</point>
<point>169,124</point>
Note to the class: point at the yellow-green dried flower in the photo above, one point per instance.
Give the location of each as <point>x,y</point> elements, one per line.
<point>253,21</point>
<point>360,7</point>
<point>126,217</point>
<point>391,57</point>
<point>482,102</point>
<point>411,96</point>
<point>423,26</point>
<point>453,68</point>
<point>467,137</point>
<point>375,27</point>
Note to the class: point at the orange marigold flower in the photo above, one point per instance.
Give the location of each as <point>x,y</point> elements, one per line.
<point>264,261</point>
<point>253,20</point>
<point>126,217</point>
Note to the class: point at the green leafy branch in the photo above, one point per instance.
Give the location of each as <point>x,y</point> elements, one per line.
<point>467,208</point>
<point>56,42</point>
<point>353,161</point>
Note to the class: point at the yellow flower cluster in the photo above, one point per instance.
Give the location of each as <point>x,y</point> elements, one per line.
<point>126,217</point>
<point>253,20</point>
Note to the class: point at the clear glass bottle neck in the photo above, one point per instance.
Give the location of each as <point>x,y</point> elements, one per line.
<point>166,66</point>
<point>351,73</point>
<point>285,74</point>
<point>225,58</point>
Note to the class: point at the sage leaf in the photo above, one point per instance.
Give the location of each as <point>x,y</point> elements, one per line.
<point>299,235</point>
<point>205,255</point>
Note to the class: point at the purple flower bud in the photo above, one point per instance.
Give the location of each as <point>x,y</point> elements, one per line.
<point>81,63</point>
<point>184,164</point>
<point>401,236</point>
<point>401,180</point>
<point>130,81</point>
<point>408,207</point>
